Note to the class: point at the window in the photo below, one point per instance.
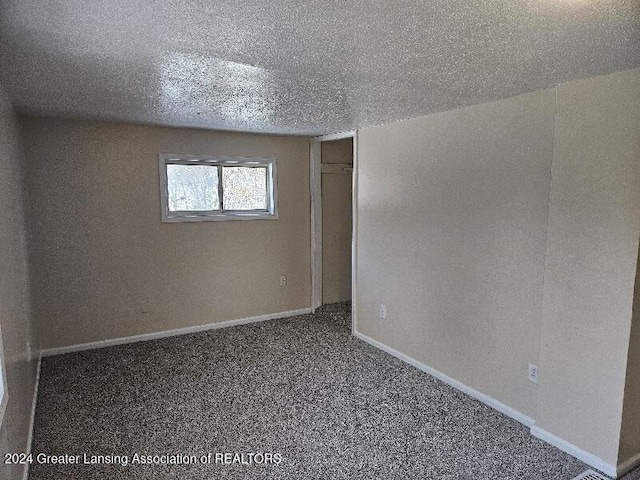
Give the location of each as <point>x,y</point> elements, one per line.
<point>201,188</point>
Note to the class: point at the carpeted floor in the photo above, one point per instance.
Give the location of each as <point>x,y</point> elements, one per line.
<point>332,406</point>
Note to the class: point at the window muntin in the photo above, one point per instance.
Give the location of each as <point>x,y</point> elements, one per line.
<point>201,188</point>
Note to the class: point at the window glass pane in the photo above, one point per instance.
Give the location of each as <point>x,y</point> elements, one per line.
<point>244,188</point>
<point>192,187</point>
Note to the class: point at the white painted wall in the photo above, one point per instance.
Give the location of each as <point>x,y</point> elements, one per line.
<point>466,217</point>
<point>452,217</point>
<point>594,226</point>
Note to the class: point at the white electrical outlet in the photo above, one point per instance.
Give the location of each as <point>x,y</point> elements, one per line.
<point>382,311</point>
<point>533,373</point>
<point>283,281</point>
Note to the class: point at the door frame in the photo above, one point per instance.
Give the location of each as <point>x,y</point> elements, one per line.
<point>315,173</point>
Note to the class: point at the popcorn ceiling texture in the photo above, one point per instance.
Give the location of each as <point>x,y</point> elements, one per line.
<point>285,66</point>
<point>332,405</point>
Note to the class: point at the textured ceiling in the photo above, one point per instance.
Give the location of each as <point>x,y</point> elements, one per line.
<point>286,66</point>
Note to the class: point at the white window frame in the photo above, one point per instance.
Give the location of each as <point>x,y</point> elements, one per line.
<point>217,215</point>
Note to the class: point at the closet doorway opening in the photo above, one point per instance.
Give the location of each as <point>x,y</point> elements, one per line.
<point>333,197</point>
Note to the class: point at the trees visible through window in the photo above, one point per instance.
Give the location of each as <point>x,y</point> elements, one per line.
<point>216,188</point>
<point>192,188</point>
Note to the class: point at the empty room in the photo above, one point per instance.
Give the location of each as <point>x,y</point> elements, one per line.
<point>320,240</point>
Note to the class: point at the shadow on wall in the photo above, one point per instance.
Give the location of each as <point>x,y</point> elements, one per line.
<point>629,437</point>
<point>15,312</point>
<point>72,72</point>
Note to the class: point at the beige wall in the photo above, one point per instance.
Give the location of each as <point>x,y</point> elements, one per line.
<point>337,223</point>
<point>630,429</point>
<point>103,255</point>
<point>594,225</point>
<point>452,217</point>
<point>461,235</point>
<point>14,295</point>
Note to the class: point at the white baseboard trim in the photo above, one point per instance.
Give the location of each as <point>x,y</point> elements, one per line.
<point>628,465</point>
<point>32,420</point>
<point>571,449</point>
<point>487,400</point>
<point>172,333</point>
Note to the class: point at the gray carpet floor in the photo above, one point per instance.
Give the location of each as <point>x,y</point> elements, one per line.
<point>332,406</point>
